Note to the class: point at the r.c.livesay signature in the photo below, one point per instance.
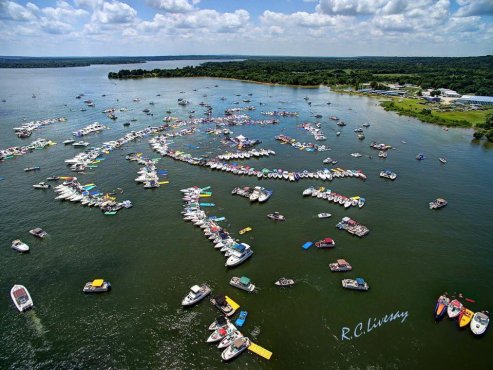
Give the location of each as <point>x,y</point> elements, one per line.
<point>371,324</point>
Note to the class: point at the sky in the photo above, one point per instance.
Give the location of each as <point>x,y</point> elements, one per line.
<point>246,27</point>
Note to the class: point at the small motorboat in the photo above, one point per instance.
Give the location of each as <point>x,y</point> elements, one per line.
<point>479,323</point>
<point>276,216</point>
<point>126,124</point>
<point>235,349</point>
<point>229,339</point>
<point>442,160</point>
<point>240,321</point>
<point>325,243</point>
<point>357,284</point>
<point>196,294</point>
<point>35,168</point>
<point>53,178</point>
<point>284,282</point>
<point>243,283</point>
<point>38,232</point>
<point>41,185</point>
<point>97,286</point>
<point>80,144</point>
<point>465,317</point>
<point>340,266</point>
<point>221,333</point>
<point>221,302</point>
<point>438,203</point>
<point>454,309</point>
<point>324,215</point>
<point>246,229</point>
<point>441,307</point>
<point>220,322</point>
<point>420,157</point>
<point>21,297</point>
<point>20,246</point>
<point>69,141</point>
<point>387,174</point>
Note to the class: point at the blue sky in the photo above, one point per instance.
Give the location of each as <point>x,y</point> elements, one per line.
<point>254,27</point>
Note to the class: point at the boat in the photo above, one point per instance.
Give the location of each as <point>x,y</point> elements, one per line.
<point>442,160</point>
<point>326,243</point>
<point>41,185</point>
<point>20,246</point>
<point>222,304</point>
<point>68,142</point>
<point>264,196</point>
<point>53,178</point>
<point>438,203</point>
<point>307,245</point>
<point>246,229</point>
<point>21,297</point>
<point>38,232</point>
<point>196,294</point>
<point>340,266</point>
<point>387,174</point>
<point>240,321</point>
<point>284,282</point>
<point>221,333</point>
<point>276,216</point>
<point>361,202</point>
<point>324,215</point>
<point>80,144</point>
<point>454,308</point>
<point>97,286</point>
<point>220,322</point>
<point>357,284</point>
<point>420,157</point>
<point>465,317</point>
<point>441,307</point>
<point>242,283</point>
<point>239,253</point>
<point>230,338</point>
<point>35,168</point>
<point>479,323</point>
<point>235,349</point>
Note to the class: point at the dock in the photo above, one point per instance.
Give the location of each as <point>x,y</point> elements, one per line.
<point>232,303</point>
<point>261,351</point>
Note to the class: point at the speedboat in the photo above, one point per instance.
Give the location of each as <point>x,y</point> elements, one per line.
<point>284,282</point>
<point>220,333</point>
<point>265,194</point>
<point>479,323</point>
<point>222,304</point>
<point>454,309</point>
<point>276,216</point>
<point>220,322</point>
<point>21,297</point>
<point>235,349</point>
<point>325,243</point>
<point>42,185</point>
<point>324,215</point>
<point>230,338</point>
<point>35,168</point>
<point>387,174</point>
<point>20,246</point>
<point>239,253</point>
<point>465,317</point>
<point>69,141</point>
<point>420,157</point>
<point>441,307</point>
<point>340,266</point>
<point>196,294</point>
<point>357,284</point>
<point>38,232</point>
<point>242,283</point>
<point>442,160</point>
<point>438,203</point>
<point>97,286</point>
<point>308,191</point>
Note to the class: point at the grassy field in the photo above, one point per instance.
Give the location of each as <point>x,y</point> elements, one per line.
<point>415,107</point>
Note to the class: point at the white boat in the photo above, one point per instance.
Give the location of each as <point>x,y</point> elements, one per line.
<point>235,349</point>
<point>282,282</point>
<point>69,141</point>
<point>222,304</point>
<point>97,286</point>
<point>255,194</point>
<point>265,194</point>
<point>239,254</point>
<point>196,294</point>
<point>21,297</point>
<point>387,174</point>
<point>20,246</point>
<point>308,191</point>
<point>220,322</point>
<point>229,339</point>
<point>221,333</point>
<point>243,283</point>
<point>454,309</point>
<point>42,185</point>
<point>324,215</point>
<point>479,323</point>
<point>358,284</point>
<point>80,144</point>
<point>38,232</point>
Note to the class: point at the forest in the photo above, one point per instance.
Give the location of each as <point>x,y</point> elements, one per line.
<point>466,75</point>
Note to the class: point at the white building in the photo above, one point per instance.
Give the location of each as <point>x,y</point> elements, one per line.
<point>449,93</point>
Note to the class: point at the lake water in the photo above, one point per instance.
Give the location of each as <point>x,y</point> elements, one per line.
<point>152,257</point>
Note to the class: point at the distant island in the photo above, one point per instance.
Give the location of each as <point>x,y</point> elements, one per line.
<point>415,77</point>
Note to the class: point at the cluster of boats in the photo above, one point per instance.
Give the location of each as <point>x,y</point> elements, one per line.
<point>235,252</point>
<point>254,193</point>
<point>380,147</point>
<point>16,151</point>
<point>148,174</point>
<point>308,147</point>
<point>89,129</point>
<point>342,200</point>
<point>281,113</point>
<point>230,111</point>
<point>352,227</point>
<point>26,129</point>
<point>315,131</point>
<point>230,339</point>
<point>478,322</point>
<point>254,153</point>
<point>73,191</point>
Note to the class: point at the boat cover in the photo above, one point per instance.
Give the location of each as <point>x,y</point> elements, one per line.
<point>20,293</point>
<point>220,300</point>
<point>360,281</point>
<point>244,280</point>
<point>97,283</point>
<point>195,289</point>
<point>328,240</point>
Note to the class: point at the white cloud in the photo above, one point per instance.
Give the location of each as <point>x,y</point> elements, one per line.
<point>114,12</point>
<point>474,7</point>
<point>10,10</point>
<point>350,7</point>
<point>173,6</point>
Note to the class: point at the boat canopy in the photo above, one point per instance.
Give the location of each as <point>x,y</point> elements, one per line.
<point>342,262</point>
<point>97,283</point>
<point>239,247</point>
<point>360,281</point>
<point>195,289</point>
<point>220,299</point>
<point>221,320</point>
<point>37,230</point>
<point>328,240</point>
<point>244,280</point>
<point>238,343</point>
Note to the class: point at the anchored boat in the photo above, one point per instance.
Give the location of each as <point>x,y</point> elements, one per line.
<point>21,297</point>
<point>196,294</point>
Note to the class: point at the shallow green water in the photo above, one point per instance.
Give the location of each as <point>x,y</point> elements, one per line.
<point>152,257</point>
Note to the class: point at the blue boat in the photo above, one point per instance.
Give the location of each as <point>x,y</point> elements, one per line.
<point>307,245</point>
<point>206,204</point>
<point>240,321</point>
<point>420,157</point>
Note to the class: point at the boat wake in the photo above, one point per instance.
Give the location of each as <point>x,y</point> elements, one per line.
<point>36,324</point>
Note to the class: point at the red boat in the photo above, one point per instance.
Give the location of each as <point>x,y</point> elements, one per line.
<point>325,243</point>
